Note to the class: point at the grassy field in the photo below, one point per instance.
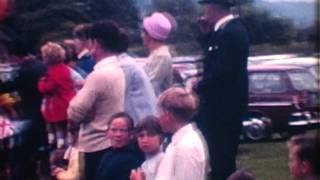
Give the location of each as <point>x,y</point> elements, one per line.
<point>266,160</point>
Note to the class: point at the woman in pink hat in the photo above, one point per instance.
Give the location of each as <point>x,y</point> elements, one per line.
<point>156,29</point>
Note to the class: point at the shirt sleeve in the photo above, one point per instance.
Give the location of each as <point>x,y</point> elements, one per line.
<point>85,99</point>
<point>47,85</point>
<point>75,76</point>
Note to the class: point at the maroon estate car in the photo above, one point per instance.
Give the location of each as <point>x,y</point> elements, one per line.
<point>282,99</point>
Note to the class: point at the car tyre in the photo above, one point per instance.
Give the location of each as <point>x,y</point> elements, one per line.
<point>258,128</point>
<point>254,132</point>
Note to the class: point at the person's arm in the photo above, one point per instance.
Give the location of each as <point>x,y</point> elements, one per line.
<point>142,90</point>
<point>73,171</point>
<point>76,78</point>
<point>83,102</point>
<point>47,84</point>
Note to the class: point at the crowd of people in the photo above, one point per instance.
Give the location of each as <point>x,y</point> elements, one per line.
<point>97,114</point>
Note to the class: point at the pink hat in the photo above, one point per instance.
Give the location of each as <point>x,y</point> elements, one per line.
<point>157,26</point>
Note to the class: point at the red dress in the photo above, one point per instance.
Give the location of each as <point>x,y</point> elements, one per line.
<point>58,89</point>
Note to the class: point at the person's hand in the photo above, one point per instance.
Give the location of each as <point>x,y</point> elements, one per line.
<point>56,171</point>
<point>137,174</point>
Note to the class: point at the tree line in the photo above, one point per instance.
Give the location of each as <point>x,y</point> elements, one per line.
<point>34,22</point>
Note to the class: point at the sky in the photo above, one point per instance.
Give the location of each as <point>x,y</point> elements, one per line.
<point>302,13</point>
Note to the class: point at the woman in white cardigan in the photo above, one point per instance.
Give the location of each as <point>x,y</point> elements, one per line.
<point>101,96</point>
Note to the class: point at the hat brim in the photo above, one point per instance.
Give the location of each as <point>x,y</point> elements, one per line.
<point>215,2</point>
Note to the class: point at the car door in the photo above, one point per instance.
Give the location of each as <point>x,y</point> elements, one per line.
<point>268,94</point>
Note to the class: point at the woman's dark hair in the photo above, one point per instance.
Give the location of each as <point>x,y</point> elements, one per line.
<point>70,49</point>
<point>109,36</point>
<point>125,116</point>
<point>82,31</point>
<point>149,124</point>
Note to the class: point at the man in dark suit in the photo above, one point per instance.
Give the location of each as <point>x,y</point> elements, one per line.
<point>223,89</point>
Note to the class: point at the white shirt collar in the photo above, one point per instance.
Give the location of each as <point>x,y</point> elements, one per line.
<point>83,53</point>
<point>105,61</point>
<point>181,132</point>
<point>223,21</point>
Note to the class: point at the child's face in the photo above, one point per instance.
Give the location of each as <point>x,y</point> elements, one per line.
<point>295,164</point>
<point>148,143</point>
<point>118,133</point>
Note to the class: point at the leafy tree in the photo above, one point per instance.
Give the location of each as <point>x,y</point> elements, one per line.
<point>185,13</point>
<point>122,11</point>
<point>36,21</point>
<point>265,28</point>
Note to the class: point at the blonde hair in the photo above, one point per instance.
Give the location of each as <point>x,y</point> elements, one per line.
<point>53,52</point>
<point>180,102</point>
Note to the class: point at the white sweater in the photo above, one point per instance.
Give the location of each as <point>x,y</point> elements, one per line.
<point>101,96</point>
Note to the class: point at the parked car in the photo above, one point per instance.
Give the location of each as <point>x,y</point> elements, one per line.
<point>186,67</point>
<point>312,64</point>
<point>8,71</point>
<point>282,99</point>
<point>263,58</point>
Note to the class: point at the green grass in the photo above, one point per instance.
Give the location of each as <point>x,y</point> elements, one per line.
<point>266,161</point>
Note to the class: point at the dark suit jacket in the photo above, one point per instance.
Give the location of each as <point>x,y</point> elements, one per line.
<point>25,84</point>
<point>116,164</point>
<point>223,90</point>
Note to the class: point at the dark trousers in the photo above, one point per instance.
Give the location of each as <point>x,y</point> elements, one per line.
<point>27,160</point>
<point>223,140</point>
<point>91,163</point>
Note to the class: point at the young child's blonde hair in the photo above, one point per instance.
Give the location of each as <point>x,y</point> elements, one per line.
<point>53,53</point>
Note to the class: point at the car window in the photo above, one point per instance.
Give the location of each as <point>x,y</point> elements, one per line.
<point>302,80</point>
<point>266,83</point>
